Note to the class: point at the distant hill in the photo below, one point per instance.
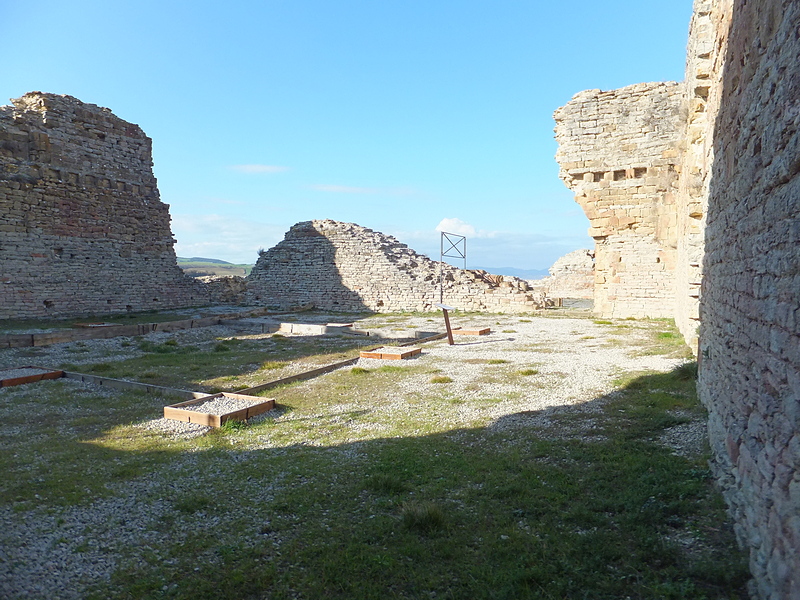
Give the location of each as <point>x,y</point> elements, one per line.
<point>196,259</point>
<point>200,267</point>
<point>514,272</point>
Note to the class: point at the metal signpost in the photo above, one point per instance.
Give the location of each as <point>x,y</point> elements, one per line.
<point>451,245</point>
<point>445,308</point>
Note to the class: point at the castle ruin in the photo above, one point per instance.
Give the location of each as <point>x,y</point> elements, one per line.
<point>83,228</point>
<point>693,194</point>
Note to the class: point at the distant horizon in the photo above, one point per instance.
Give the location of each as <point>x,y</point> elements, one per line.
<point>512,271</point>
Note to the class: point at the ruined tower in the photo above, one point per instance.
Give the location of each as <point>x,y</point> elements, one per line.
<point>82,228</point>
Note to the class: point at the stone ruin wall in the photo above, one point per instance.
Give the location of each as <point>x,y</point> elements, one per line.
<point>750,308</point>
<point>82,228</point>
<point>736,214</point>
<point>618,151</point>
<point>697,152</point>
<point>345,267</point>
<point>648,233</point>
<point>571,277</point>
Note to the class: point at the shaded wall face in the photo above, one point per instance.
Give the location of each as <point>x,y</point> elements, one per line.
<point>83,229</point>
<point>618,152</point>
<point>300,270</point>
<point>750,339</point>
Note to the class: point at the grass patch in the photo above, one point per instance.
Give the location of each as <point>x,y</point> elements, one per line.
<point>386,484</point>
<point>441,379</point>
<point>497,361</point>
<point>170,346</point>
<point>193,503</point>
<point>272,365</point>
<point>424,517</point>
<point>353,490</point>
<point>390,369</point>
<point>222,365</point>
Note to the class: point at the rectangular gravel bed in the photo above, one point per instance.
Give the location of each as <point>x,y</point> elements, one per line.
<point>390,353</point>
<point>216,409</point>
<point>482,331</point>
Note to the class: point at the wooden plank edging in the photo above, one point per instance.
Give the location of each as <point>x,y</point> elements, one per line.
<point>26,340</point>
<point>121,384</point>
<point>298,377</point>
<point>183,412</point>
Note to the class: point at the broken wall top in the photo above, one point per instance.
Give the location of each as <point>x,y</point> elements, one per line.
<point>41,130</point>
<point>635,127</point>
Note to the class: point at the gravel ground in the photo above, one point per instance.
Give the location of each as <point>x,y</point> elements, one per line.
<point>55,552</point>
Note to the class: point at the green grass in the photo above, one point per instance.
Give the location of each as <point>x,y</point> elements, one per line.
<point>221,365</point>
<point>303,504</point>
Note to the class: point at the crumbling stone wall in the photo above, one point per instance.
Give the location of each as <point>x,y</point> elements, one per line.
<point>750,307</point>
<point>346,267</point>
<point>618,151</point>
<point>82,228</point>
<point>697,152</point>
<point>225,289</point>
<point>571,276</point>
<point>649,242</point>
<point>736,209</point>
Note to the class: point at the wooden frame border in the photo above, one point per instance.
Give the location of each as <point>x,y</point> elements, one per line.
<point>48,374</point>
<point>182,412</point>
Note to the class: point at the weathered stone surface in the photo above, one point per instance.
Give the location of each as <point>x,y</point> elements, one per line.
<point>82,228</point>
<point>618,152</point>
<point>571,276</point>
<point>750,303</point>
<point>722,214</point>
<point>225,289</point>
<point>346,267</point>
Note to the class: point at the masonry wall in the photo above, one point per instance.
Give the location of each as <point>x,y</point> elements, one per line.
<point>750,307</point>
<point>82,228</point>
<point>571,276</point>
<point>618,151</point>
<point>346,267</point>
<point>701,102</point>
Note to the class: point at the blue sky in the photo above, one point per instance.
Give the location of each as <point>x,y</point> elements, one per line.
<point>393,115</point>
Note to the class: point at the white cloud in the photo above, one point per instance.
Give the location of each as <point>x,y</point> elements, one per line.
<point>256,169</point>
<point>223,237</point>
<point>457,226</point>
